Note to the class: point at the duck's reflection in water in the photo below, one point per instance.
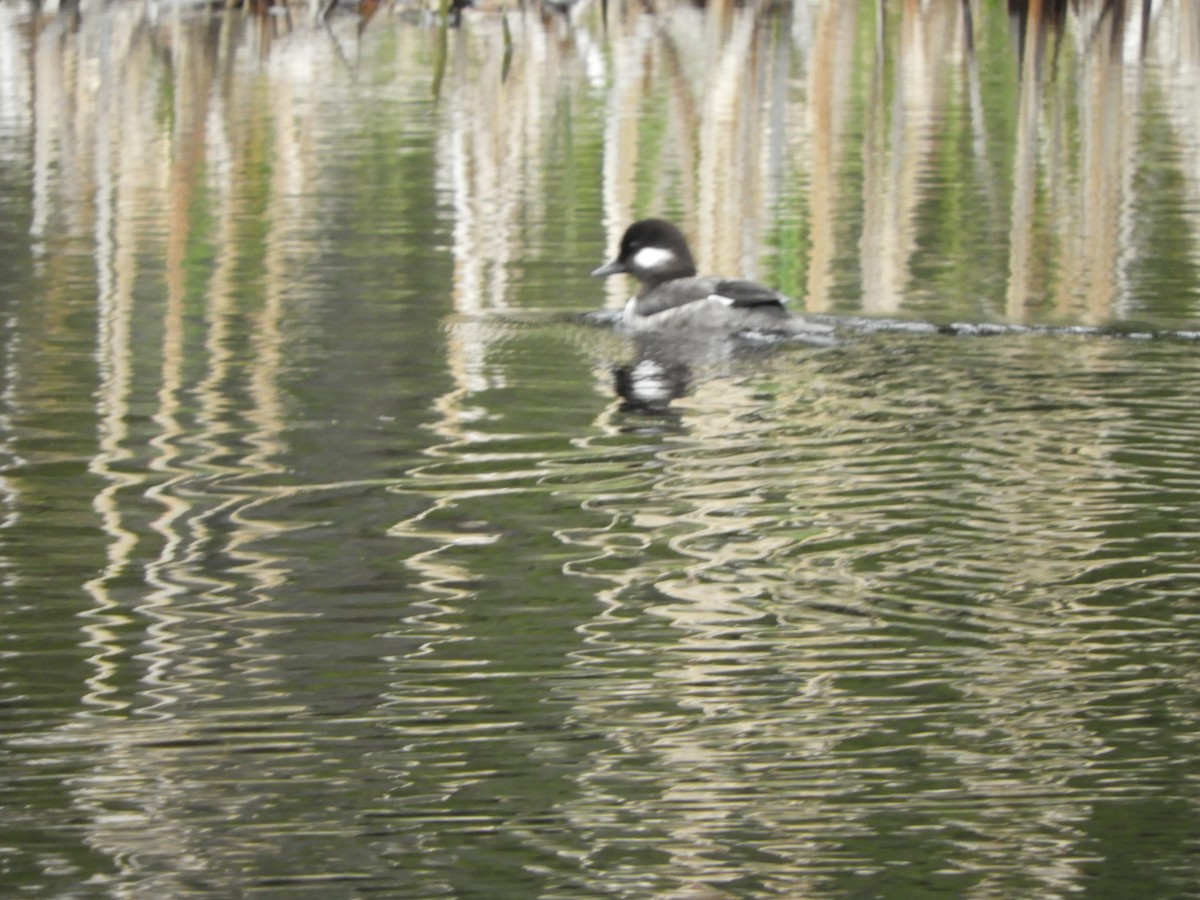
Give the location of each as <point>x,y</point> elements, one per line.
<point>648,384</point>
<point>666,367</point>
<point>668,364</point>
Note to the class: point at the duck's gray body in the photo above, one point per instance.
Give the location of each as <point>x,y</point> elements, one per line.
<point>672,296</point>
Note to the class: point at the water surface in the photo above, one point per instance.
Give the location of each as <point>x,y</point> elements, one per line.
<point>334,564</point>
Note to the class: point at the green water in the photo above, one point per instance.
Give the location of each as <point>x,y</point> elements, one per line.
<point>333,565</point>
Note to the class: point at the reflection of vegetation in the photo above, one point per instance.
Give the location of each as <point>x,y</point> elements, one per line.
<point>1165,264</point>
<point>940,158</point>
<point>270,396</point>
<point>440,47</point>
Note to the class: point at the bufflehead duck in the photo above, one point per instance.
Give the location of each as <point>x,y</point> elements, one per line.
<point>656,253</point>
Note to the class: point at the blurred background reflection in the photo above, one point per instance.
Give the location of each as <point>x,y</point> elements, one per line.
<point>340,555</point>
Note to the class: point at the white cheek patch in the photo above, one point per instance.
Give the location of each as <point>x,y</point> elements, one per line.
<point>651,258</point>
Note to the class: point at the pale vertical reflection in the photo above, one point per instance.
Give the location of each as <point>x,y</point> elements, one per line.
<point>126,159</point>
<point>10,494</point>
<point>52,72</point>
<point>980,132</point>
<point>15,88</point>
<point>877,244</point>
<point>730,101</point>
<point>630,37</point>
<point>1176,38</point>
<point>1108,112</point>
<point>828,88</point>
<point>486,146</point>
<point>296,79</point>
<point>169,666</point>
<point>16,109</point>
<point>897,169</point>
<point>1025,171</point>
<point>495,130</point>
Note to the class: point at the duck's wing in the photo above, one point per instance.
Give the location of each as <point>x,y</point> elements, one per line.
<point>688,295</point>
<point>738,293</point>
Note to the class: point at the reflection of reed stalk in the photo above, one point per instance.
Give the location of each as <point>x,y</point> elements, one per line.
<point>439,56</point>
<point>506,62</point>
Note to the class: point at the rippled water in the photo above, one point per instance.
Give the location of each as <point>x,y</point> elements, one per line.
<point>334,562</point>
